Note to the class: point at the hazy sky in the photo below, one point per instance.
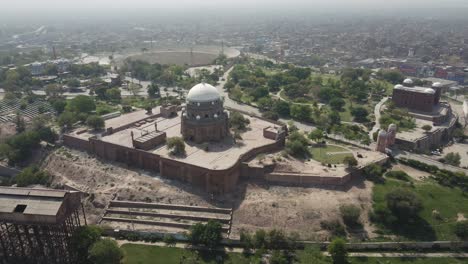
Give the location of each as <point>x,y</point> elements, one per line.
<point>269,4</point>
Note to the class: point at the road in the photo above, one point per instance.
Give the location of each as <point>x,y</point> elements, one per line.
<point>377,108</point>
<point>427,160</point>
<point>351,254</point>
<point>228,102</point>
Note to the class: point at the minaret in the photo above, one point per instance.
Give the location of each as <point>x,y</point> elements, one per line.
<point>381,141</point>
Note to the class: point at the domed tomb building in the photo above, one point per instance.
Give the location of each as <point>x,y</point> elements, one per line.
<point>203,118</point>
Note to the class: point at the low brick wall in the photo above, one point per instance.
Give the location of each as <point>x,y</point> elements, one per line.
<point>305,179</point>
<point>76,143</point>
<point>130,204</point>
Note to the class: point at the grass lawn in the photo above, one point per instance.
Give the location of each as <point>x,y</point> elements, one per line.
<point>321,154</point>
<point>406,261</point>
<point>142,254</point>
<point>448,202</point>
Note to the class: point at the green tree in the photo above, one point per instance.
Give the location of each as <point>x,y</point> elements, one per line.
<point>20,125</point>
<point>338,252</point>
<point>82,240</point>
<point>73,83</point>
<point>360,114</point>
<point>105,251</point>
<point>66,119</point>
<point>153,90</point>
<point>282,108</point>
<point>337,104</point>
<point>297,145</point>
<point>237,121</point>
<point>176,145</point>
<point>374,172</point>
<point>209,234</point>
<point>53,90</point>
<point>301,112</point>
<point>95,122</point>
<point>316,135</point>
<point>113,94</point>
<point>403,203</point>
<point>334,118</point>
<point>81,104</point>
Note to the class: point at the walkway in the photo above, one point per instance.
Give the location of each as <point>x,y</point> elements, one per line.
<point>351,254</point>
<point>377,108</point>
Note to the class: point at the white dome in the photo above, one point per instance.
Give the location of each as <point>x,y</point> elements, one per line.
<point>408,81</point>
<point>398,86</point>
<point>203,92</point>
<point>382,133</point>
<point>429,91</point>
<point>437,85</point>
<point>392,127</point>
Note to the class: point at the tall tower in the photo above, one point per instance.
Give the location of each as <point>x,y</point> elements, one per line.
<point>391,134</point>
<point>381,141</point>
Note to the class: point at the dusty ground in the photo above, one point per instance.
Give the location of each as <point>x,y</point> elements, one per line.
<point>412,172</point>
<point>298,209</point>
<point>102,181</point>
<point>255,205</point>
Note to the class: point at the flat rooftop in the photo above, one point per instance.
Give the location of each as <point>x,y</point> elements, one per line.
<point>31,204</point>
<point>220,155</point>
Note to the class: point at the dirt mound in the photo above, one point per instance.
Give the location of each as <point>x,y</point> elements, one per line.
<point>104,181</point>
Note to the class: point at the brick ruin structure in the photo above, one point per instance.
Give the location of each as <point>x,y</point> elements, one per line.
<point>36,225</point>
<point>204,118</point>
<point>386,139</point>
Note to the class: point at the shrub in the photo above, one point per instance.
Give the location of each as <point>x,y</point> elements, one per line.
<point>453,159</point>
<point>338,252</point>
<point>461,229</point>
<point>334,227</point>
<point>169,240</point>
<point>351,161</point>
<point>374,172</point>
<point>403,203</point>
<point>350,214</point>
<point>32,175</point>
<point>400,175</point>
<point>176,145</point>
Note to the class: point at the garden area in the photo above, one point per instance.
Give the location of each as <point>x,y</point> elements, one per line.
<point>329,154</point>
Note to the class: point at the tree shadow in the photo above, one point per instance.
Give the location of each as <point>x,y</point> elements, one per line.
<point>416,229</point>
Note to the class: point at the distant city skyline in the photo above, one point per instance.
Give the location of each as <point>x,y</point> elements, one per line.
<point>267,4</point>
